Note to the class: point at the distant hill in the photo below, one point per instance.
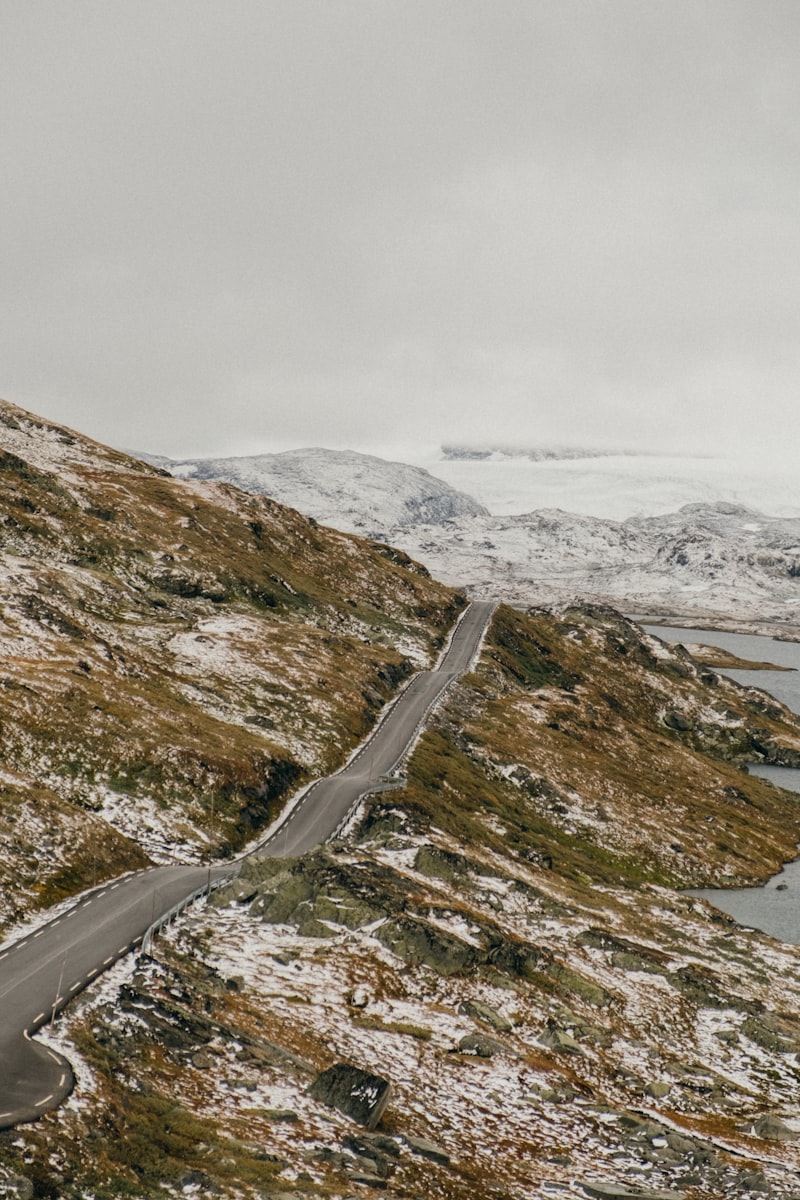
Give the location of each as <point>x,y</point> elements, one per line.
<point>705,560</point>
<point>709,558</point>
<point>358,493</point>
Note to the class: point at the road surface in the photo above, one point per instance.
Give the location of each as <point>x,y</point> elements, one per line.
<point>326,804</point>
<point>42,971</point>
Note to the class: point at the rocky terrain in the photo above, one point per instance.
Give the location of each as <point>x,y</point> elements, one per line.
<point>177,658</point>
<point>493,986</point>
<point>705,561</point>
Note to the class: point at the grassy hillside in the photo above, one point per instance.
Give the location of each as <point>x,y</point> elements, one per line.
<point>505,940</point>
<point>175,659</point>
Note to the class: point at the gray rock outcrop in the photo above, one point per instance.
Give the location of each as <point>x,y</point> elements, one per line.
<point>358,1094</point>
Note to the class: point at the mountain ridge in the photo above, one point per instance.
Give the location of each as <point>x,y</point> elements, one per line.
<point>359,493</point>
<point>711,559</point>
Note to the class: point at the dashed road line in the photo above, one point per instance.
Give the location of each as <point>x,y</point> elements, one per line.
<point>47,1099</point>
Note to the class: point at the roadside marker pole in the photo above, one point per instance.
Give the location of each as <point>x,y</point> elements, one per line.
<point>58,992</point>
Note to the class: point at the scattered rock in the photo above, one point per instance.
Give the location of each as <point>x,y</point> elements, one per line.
<point>773,1128</point>
<point>699,984</point>
<point>574,984</point>
<point>198,1179</point>
<point>752,1181</point>
<point>427,1149</point>
<point>771,1033</point>
<point>483,1046</point>
<point>559,1040</point>
<point>418,942</point>
<point>677,721</point>
<point>657,1090</point>
<point>16,1187</point>
<point>268,1054</point>
<point>368,1180</point>
<point>358,1094</point>
<point>625,1191</point>
<point>440,864</point>
<point>372,1144</point>
<point>484,1012</point>
<point>281,1114</point>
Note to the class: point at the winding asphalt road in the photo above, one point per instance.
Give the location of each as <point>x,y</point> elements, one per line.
<point>42,971</point>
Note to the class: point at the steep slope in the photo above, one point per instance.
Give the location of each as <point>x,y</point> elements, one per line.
<point>503,941</point>
<point>355,492</point>
<point>177,656</point>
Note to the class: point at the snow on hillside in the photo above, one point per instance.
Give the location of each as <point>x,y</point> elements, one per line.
<point>717,559</point>
<point>643,532</point>
<point>354,492</point>
<point>615,486</point>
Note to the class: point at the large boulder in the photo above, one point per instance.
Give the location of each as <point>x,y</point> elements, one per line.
<point>482,1045</point>
<point>358,1094</point>
<point>773,1128</point>
<point>427,1149</point>
<point>418,942</point>
<point>480,1011</point>
<point>627,1191</point>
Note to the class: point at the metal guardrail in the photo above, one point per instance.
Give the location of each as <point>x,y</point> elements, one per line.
<point>168,917</point>
<point>386,785</point>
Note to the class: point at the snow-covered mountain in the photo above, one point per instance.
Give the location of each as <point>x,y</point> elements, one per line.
<point>358,493</point>
<point>457,452</point>
<point>704,560</point>
<point>711,558</point>
<point>614,486</point>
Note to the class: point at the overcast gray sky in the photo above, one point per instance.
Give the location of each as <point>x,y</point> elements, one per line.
<point>237,226</point>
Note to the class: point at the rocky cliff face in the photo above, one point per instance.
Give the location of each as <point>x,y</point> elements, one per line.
<point>494,986</point>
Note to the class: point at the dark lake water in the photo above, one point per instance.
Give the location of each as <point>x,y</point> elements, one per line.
<point>784,685</point>
<point>775,907</point>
